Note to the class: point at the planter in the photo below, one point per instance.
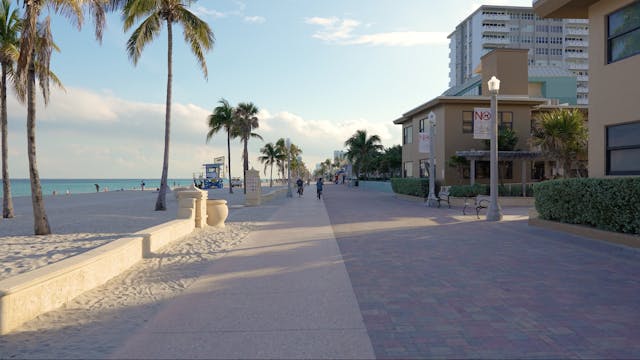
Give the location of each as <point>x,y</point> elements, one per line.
<point>217,212</point>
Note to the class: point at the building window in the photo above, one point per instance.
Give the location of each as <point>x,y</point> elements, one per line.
<point>623,32</point>
<point>408,135</point>
<point>467,122</point>
<point>506,119</point>
<point>623,149</point>
<point>482,169</point>
<point>421,125</point>
<point>408,169</point>
<point>424,168</point>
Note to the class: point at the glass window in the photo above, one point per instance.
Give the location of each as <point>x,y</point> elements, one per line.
<point>408,135</point>
<point>424,168</point>
<point>408,169</point>
<point>467,122</point>
<point>623,149</point>
<point>506,119</point>
<point>623,32</point>
<point>421,125</point>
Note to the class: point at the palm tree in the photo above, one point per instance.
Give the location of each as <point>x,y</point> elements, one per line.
<point>282,161</point>
<point>10,27</point>
<point>36,47</point>
<point>562,134</point>
<point>246,116</point>
<point>360,150</point>
<point>222,118</point>
<point>270,157</point>
<point>196,32</point>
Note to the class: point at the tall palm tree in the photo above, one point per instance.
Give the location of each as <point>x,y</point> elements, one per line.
<point>10,27</point>
<point>36,47</point>
<point>361,149</point>
<point>270,156</point>
<point>284,153</point>
<point>246,115</point>
<point>222,118</point>
<point>562,135</point>
<point>196,32</point>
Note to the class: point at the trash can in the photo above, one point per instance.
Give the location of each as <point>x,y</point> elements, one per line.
<point>356,184</point>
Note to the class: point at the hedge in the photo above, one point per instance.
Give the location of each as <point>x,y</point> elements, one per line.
<point>608,204</point>
<point>411,186</point>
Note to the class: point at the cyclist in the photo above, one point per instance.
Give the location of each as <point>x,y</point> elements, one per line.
<point>300,184</point>
<point>319,186</point>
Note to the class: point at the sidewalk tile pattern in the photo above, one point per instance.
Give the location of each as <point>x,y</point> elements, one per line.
<point>432,286</point>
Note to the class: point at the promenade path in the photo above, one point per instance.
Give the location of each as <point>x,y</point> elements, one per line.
<point>431,283</point>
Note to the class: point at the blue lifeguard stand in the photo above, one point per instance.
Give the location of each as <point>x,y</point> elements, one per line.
<point>212,176</point>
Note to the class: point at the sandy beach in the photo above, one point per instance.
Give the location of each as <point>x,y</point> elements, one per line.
<point>81,222</point>
<point>95,322</point>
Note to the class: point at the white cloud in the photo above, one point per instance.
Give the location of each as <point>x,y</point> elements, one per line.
<point>202,11</point>
<point>254,19</point>
<point>121,138</point>
<point>342,32</point>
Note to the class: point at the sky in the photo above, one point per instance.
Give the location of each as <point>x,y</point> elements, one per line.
<point>317,70</point>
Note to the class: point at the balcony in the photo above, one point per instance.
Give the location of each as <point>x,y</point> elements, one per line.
<point>582,90</point>
<point>576,55</point>
<point>490,41</point>
<point>582,78</point>
<point>578,21</point>
<point>583,101</point>
<point>495,29</point>
<point>501,17</point>
<point>577,31</point>
<point>578,66</point>
<point>576,43</point>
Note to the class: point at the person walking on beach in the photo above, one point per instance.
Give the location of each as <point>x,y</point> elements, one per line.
<point>142,184</point>
<point>319,186</point>
<point>97,187</point>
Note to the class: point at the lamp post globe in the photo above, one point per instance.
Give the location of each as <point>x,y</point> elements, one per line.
<point>494,212</point>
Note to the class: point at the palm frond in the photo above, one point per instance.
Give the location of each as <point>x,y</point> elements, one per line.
<point>148,30</point>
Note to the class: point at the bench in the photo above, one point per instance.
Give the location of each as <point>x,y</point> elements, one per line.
<point>443,195</point>
<point>479,202</point>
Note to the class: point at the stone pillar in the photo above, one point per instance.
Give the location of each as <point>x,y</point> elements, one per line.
<point>253,190</point>
<point>195,199</point>
<point>524,178</point>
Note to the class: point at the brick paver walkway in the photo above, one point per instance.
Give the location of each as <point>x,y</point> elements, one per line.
<point>433,284</point>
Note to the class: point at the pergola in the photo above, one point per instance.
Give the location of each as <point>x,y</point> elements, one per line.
<point>524,156</point>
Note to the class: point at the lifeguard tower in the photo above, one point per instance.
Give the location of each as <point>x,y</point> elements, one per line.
<point>212,178</point>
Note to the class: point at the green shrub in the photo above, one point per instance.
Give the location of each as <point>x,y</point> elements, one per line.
<point>411,186</point>
<point>469,190</point>
<point>608,204</point>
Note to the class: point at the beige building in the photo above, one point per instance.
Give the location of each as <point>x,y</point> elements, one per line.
<point>454,124</point>
<point>614,63</point>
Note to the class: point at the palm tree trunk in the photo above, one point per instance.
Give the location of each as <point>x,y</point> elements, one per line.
<point>161,203</point>
<point>7,202</point>
<point>40,221</point>
<point>245,154</point>
<point>229,159</point>
<point>271,176</point>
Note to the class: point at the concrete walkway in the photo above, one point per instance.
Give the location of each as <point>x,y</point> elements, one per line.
<point>284,293</point>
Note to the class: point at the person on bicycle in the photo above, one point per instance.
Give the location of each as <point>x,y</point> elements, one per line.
<point>300,184</point>
<point>319,186</point>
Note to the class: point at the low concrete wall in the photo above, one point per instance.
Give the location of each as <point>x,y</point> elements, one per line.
<point>585,231</point>
<point>383,186</point>
<point>25,296</point>
<point>515,201</point>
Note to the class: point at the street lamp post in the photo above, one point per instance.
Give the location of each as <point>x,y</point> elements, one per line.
<point>432,200</point>
<point>288,145</point>
<point>494,212</point>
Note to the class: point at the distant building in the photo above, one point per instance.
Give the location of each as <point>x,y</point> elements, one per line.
<point>614,62</point>
<point>338,155</point>
<point>556,43</point>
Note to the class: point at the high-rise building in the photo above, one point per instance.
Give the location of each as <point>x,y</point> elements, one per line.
<point>556,43</point>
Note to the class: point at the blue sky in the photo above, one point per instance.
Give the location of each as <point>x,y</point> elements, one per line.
<point>318,70</point>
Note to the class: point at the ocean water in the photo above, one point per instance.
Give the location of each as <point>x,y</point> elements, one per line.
<point>22,187</point>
